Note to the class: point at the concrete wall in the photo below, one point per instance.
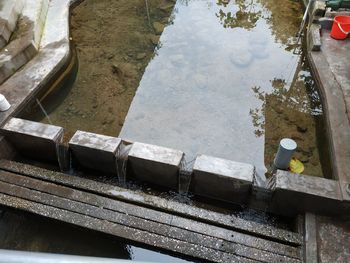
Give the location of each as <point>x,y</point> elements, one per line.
<point>214,178</point>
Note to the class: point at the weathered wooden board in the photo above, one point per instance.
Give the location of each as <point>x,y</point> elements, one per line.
<point>157,203</point>
<point>163,229</point>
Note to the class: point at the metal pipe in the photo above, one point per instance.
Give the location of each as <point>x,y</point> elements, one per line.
<point>300,32</point>
<point>11,256</point>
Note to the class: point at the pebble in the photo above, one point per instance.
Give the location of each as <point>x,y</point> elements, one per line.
<point>140,56</point>
<point>301,129</point>
<point>301,157</point>
<point>154,39</point>
<point>279,110</point>
<point>166,7</point>
<point>158,27</point>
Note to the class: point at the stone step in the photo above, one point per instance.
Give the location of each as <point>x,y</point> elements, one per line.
<point>9,13</point>
<point>25,40</point>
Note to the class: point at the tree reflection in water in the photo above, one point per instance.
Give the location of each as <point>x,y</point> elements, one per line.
<point>290,111</point>
<point>246,17</point>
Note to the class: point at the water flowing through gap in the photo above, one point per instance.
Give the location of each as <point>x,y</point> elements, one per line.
<point>223,79</point>
<point>207,78</point>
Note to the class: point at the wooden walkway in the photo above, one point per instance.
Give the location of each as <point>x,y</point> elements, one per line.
<point>164,224</point>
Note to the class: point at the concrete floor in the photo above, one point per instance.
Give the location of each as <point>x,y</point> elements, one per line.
<point>333,239</point>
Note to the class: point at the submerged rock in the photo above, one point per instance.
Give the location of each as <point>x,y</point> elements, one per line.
<point>301,128</point>
<point>166,7</point>
<point>140,56</point>
<point>158,27</point>
<point>154,39</point>
<point>124,69</point>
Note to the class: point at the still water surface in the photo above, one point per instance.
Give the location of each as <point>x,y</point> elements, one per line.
<point>227,80</point>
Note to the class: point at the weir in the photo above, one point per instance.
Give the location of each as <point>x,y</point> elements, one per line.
<point>186,175</point>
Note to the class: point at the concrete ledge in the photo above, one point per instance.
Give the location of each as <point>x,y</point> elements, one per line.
<point>33,139</point>
<point>295,193</point>
<point>310,250</point>
<point>330,75</point>
<point>314,37</point>
<point>154,164</point>
<point>222,179</point>
<point>318,9</point>
<point>25,46</point>
<point>8,18</point>
<point>54,54</point>
<point>94,151</point>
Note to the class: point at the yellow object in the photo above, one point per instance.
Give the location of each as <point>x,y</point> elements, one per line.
<point>296,166</point>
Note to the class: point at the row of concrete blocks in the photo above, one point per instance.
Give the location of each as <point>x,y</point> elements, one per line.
<point>211,177</point>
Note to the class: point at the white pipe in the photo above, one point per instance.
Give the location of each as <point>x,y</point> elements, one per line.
<point>284,153</point>
<point>4,104</point>
<point>11,256</point>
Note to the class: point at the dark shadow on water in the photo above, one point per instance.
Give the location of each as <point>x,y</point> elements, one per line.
<point>28,232</point>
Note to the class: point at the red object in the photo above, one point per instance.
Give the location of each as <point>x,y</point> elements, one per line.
<point>341,27</point>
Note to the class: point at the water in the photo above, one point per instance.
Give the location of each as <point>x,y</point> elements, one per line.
<point>33,233</point>
<point>227,81</point>
<point>224,80</point>
<point>114,43</point>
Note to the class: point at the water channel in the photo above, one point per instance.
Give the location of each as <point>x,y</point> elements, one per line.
<point>202,76</point>
<point>227,80</point>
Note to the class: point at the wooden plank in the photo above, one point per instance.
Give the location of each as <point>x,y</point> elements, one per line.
<point>152,215</point>
<point>140,223</point>
<point>228,221</point>
<point>132,234</point>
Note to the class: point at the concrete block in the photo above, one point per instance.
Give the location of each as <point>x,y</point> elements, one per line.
<point>222,179</point>
<point>326,23</point>
<point>154,164</point>
<point>314,37</point>
<point>33,139</point>
<point>95,151</point>
<point>319,8</point>
<point>296,193</point>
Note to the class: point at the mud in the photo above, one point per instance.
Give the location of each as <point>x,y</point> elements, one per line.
<point>114,46</point>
